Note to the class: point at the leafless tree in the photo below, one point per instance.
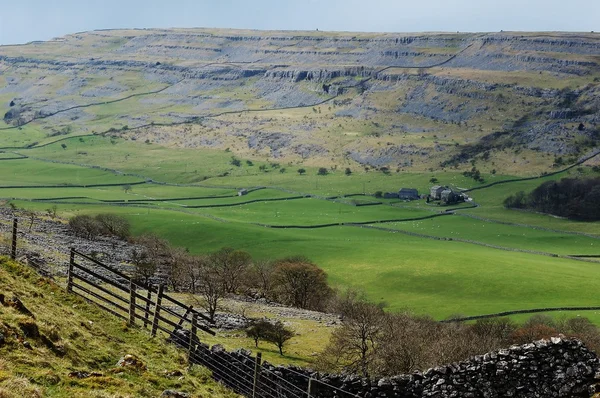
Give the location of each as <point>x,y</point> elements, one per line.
<point>85,226</point>
<point>210,285</point>
<point>354,346</point>
<point>184,272</point>
<point>154,254</point>
<point>144,267</point>
<point>278,334</point>
<point>230,265</point>
<point>113,224</point>
<point>260,277</point>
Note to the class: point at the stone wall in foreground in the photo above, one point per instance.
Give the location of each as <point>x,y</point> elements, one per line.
<point>547,368</point>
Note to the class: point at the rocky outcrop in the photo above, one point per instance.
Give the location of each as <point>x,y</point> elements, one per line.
<point>319,75</point>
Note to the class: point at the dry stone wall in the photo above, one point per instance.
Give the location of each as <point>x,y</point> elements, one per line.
<point>547,368</point>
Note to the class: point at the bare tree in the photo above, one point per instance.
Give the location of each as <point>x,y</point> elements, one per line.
<point>184,272</point>
<point>52,211</point>
<point>113,224</point>
<point>31,215</point>
<point>85,226</point>
<point>258,330</point>
<point>210,285</point>
<point>353,347</point>
<point>260,277</point>
<point>144,267</point>
<point>231,265</point>
<point>153,255</point>
<point>278,334</point>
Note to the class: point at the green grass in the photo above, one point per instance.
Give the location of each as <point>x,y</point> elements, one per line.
<point>310,212</point>
<point>35,172</point>
<point>429,276</point>
<point>524,238</point>
<point>439,278</point>
<point>436,277</point>
<point>137,192</point>
<point>93,341</point>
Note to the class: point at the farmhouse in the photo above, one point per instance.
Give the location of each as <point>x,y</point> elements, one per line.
<point>448,196</point>
<point>390,195</point>
<point>436,192</point>
<point>408,194</point>
<point>242,192</point>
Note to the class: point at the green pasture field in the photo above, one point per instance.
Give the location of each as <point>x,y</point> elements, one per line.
<point>510,236</point>
<point>137,192</point>
<point>35,172</point>
<point>310,212</point>
<point>194,165</point>
<point>436,277</point>
<point>440,278</point>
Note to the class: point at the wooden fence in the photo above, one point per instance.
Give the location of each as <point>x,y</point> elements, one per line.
<point>122,296</point>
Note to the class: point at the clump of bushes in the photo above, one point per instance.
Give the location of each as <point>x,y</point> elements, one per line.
<point>105,224</point>
<point>373,342</point>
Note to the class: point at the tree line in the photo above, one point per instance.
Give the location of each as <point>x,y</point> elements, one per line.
<point>292,280</point>
<point>574,198</point>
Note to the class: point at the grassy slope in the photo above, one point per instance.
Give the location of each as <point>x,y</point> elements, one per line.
<point>93,341</point>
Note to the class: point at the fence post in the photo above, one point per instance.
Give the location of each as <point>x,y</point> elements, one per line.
<point>183,318</point>
<point>13,252</point>
<point>131,303</point>
<point>193,331</point>
<point>257,362</point>
<point>147,311</point>
<point>310,388</point>
<point>157,310</point>
<point>70,271</point>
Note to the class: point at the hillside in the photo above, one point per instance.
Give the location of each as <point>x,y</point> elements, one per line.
<point>56,345</point>
<point>513,102</point>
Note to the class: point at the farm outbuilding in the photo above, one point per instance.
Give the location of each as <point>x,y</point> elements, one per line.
<point>448,196</point>
<point>242,192</point>
<point>408,194</point>
<point>436,192</point>
<point>390,195</point>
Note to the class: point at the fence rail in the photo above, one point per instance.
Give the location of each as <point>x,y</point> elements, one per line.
<point>130,300</point>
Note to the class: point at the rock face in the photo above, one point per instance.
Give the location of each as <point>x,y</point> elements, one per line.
<point>444,84</point>
<point>547,368</point>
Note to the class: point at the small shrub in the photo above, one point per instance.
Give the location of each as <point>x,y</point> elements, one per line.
<point>85,226</point>
<point>258,331</point>
<point>114,225</point>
